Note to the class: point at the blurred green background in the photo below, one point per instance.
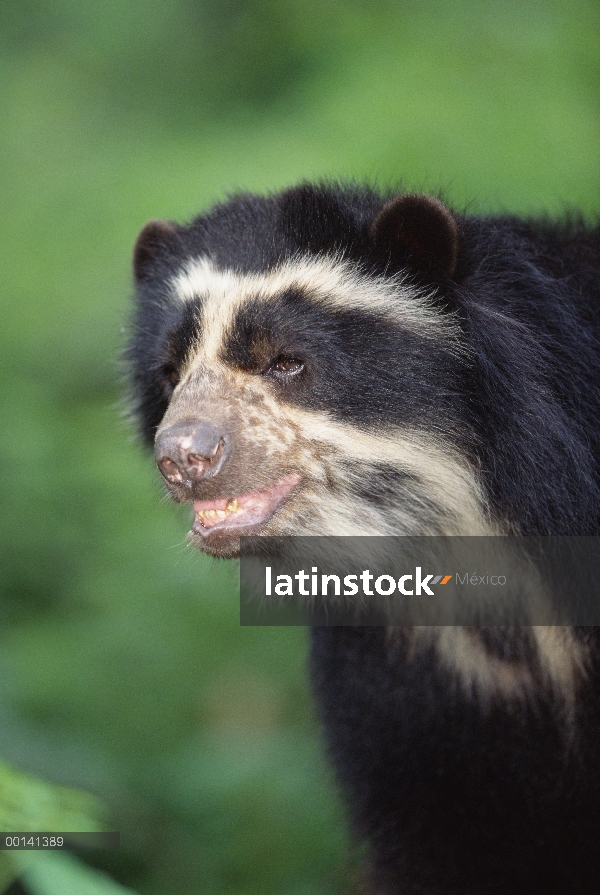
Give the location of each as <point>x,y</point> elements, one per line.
<point>123,670</point>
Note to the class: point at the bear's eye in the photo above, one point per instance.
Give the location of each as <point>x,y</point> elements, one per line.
<point>171,374</point>
<point>284,366</point>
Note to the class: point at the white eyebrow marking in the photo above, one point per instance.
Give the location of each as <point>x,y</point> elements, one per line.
<point>330,283</point>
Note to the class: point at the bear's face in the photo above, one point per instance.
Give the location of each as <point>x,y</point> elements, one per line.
<point>312,394</point>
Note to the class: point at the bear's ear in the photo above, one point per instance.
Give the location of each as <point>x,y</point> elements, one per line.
<point>420,231</point>
<point>156,240</point>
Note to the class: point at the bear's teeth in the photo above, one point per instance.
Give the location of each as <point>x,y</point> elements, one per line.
<point>232,506</point>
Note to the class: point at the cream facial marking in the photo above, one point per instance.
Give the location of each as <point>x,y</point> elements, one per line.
<point>450,481</point>
<point>561,663</point>
<point>328,282</point>
<point>322,448</point>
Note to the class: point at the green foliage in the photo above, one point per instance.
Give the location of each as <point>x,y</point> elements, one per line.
<point>124,670</point>
<point>191,57</point>
<point>31,804</point>
<point>61,874</point>
<point>28,803</point>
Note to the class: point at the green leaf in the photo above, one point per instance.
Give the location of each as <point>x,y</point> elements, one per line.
<point>32,804</point>
<point>60,873</point>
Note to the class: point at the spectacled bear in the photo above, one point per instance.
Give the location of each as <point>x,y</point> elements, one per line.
<point>334,360</point>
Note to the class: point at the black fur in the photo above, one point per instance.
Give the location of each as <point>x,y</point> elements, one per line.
<point>455,794</point>
<point>455,799</point>
<point>402,382</point>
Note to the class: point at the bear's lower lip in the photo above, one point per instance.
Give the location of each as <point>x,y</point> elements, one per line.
<point>248,511</point>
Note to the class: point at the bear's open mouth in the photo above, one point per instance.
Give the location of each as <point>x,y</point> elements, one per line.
<point>248,511</point>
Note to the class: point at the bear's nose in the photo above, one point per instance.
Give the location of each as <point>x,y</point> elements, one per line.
<point>190,451</point>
